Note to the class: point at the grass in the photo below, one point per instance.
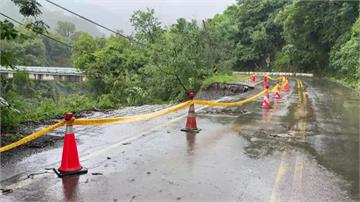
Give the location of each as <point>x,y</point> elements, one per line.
<point>223,78</point>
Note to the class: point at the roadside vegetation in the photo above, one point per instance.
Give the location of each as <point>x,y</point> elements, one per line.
<point>32,101</point>
<point>160,63</point>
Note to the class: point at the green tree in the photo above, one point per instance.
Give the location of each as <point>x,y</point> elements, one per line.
<point>31,49</point>
<point>312,28</point>
<point>258,37</point>
<point>344,58</point>
<point>27,49</point>
<point>220,34</point>
<point>29,9</point>
<point>178,57</point>
<point>147,27</point>
<point>84,58</point>
<point>7,33</point>
<point>56,53</point>
<point>65,29</point>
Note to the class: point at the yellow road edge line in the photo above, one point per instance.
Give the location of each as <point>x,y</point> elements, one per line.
<point>297,188</point>
<point>275,194</point>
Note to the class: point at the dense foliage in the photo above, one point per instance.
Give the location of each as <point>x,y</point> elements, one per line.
<point>35,100</point>
<point>30,49</point>
<point>344,55</point>
<point>32,100</point>
<point>29,9</point>
<point>251,35</point>
<point>161,63</point>
<point>312,29</point>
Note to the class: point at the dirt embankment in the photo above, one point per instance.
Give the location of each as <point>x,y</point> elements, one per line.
<point>218,90</point>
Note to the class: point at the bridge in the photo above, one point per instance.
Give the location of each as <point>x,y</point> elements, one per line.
<point>45,73</point>
<point>275,74</point>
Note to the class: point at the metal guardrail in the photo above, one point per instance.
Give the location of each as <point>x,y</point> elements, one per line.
<point>276,73</point>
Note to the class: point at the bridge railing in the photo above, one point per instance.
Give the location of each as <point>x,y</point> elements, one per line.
<point>46,73</point>
<point>275,73</point>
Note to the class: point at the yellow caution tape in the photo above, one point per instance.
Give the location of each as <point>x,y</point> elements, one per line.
<point>275,79</point>
<point>161,112</point>
<point>284,83</point>
<point>32,136</point>
<point>132,118</point>
<point>128,118</point>
<point>276,87</point>
<point>228,104</point>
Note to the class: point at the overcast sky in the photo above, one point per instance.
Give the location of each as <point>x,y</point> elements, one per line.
<point>115,14</point>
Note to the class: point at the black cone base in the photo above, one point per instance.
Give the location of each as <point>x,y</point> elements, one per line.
<point>190,130</point>
<point>77,172</point>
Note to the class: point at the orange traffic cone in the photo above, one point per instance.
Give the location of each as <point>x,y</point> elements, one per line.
<point>253,77</point>
<point>70,164</point>
<point>267,94</point>
<point>286,86</point>
<point>265,102</point>
<point>265,79</point>
<point>191,121</point>
<point>276,92</point>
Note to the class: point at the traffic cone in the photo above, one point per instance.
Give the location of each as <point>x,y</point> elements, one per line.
<point>276,92</point>
<point>265,79</point>
<point>267,94</point>
<point>70,164</point>
<point>190,125</point>
<point>286,86</point>
<point>265,102</point>
<point>253,77</point>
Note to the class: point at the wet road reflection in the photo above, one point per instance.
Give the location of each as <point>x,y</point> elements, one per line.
<point>265,116</point>
<point>70,188</point>
<point>190,140</point>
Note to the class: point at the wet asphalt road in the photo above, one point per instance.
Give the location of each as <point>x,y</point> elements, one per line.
<point>306,148</point>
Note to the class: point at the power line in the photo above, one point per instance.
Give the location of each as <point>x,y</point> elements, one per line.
<point>89,20</point>
<point>47,36</point>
